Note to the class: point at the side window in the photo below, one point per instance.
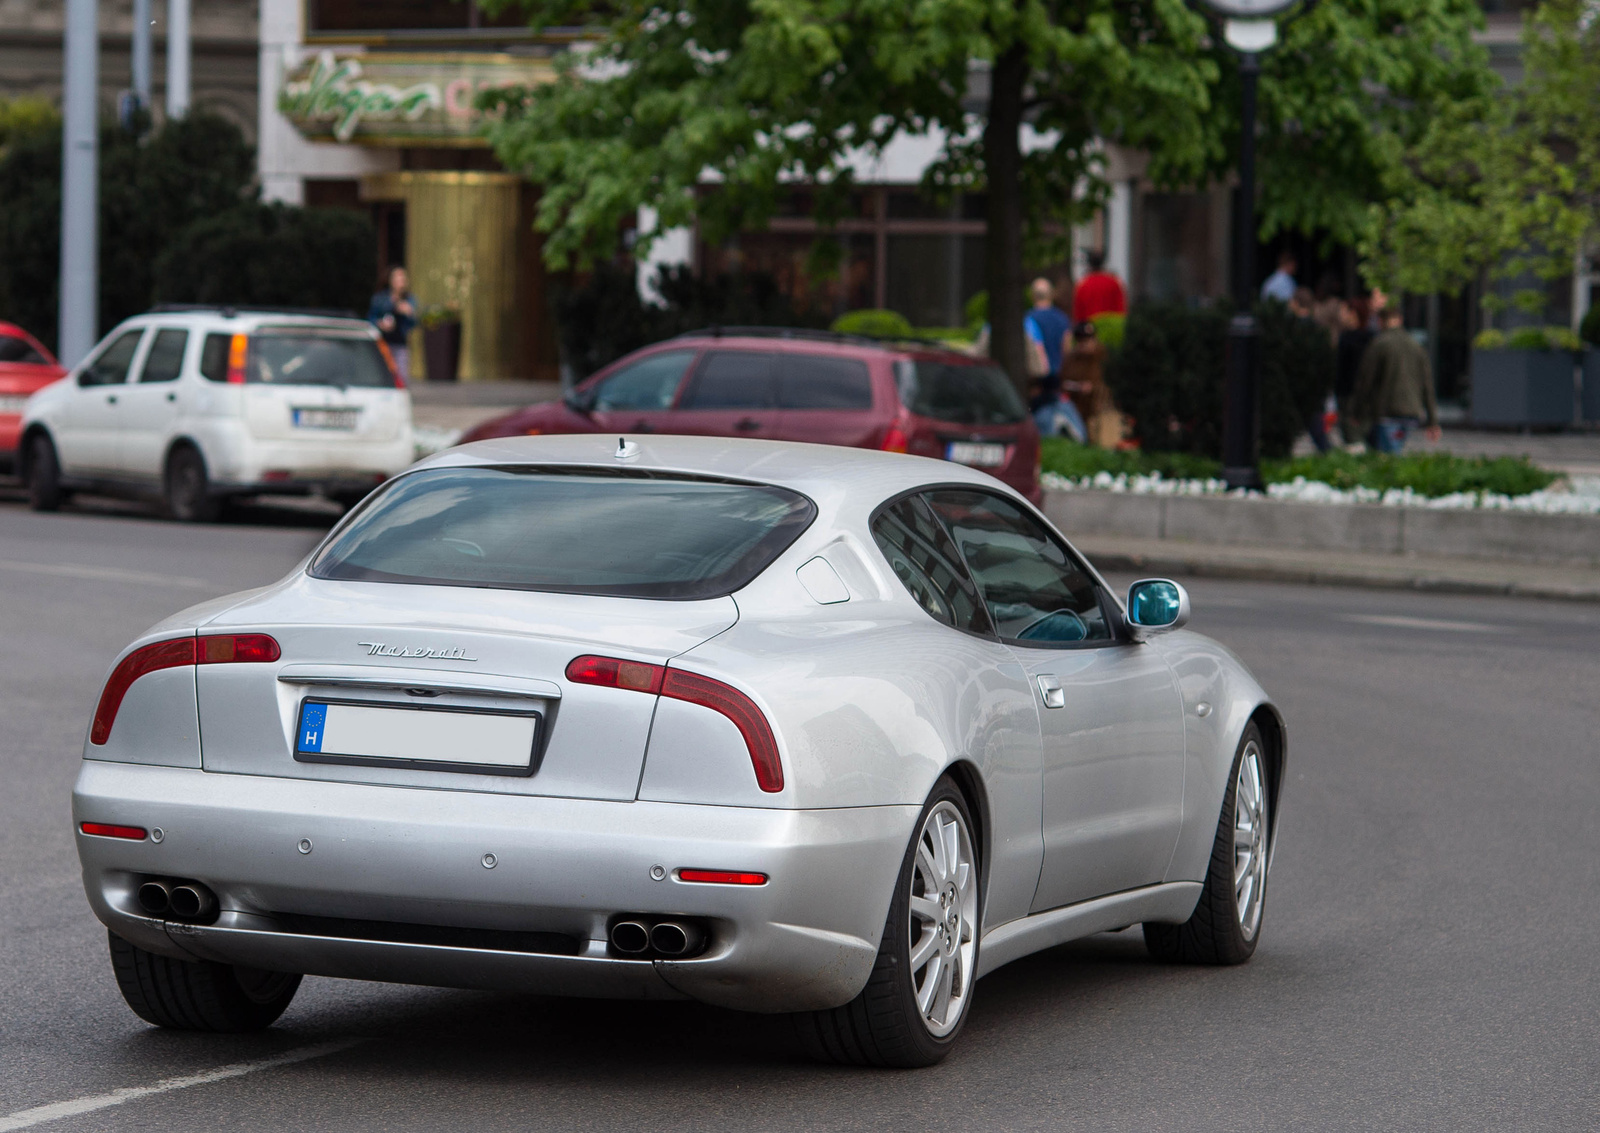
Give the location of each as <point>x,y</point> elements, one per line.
<point>214,357</point>
<point>812,382</point>
<point>927,563</point>
<point>733,379</point>
<point>649,383</point>
<point>13,349</point>
<point>110,367</point>
<point>165,360</point>
<point>1036,593</point>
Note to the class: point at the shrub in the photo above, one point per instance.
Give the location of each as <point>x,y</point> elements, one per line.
<point>873,323</point>
<point>1490,339</point>
<point>1168,376</point>
<point>274,254</point>
<point>1528,338</point>
<point>1109,328</point>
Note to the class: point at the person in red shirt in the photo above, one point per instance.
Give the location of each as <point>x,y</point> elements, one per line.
<point>1098,292</point>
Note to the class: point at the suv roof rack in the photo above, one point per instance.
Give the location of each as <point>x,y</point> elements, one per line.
<point>810,334</point>
<point>228,310</point>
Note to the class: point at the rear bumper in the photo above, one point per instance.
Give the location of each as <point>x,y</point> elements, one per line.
<point>805,940</point>
<point>309,463</point>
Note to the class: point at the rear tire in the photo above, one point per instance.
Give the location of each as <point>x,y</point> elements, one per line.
<point>200,995</point>
<point>188,489</point>
<point>910,1012</point>
<point>44,475</point>
<point>1226,923</point>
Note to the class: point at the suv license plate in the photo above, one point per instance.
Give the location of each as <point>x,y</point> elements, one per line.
<point>326,418</point>
<point>976,453</point>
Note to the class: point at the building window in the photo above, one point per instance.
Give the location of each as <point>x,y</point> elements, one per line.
<point>365,17</point>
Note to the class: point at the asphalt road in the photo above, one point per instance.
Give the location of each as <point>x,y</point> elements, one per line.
<point>1429,958</point>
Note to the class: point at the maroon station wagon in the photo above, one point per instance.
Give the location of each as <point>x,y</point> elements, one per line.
<point>792,385</point>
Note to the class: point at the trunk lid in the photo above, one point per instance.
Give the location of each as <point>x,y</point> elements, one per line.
<point>470,650</point>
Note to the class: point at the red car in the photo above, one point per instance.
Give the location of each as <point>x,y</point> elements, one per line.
<point>25,367</point>
<point>793,385</point>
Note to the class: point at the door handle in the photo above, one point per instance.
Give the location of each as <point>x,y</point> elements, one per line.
<point>172,397</point>
<point>1050,689</point>
<point>747,424</point>
<point>111,399</point>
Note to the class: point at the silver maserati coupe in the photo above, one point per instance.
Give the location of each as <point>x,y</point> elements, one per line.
<point>781,728</point>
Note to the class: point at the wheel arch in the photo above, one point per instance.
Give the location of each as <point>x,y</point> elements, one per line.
<point>969,781</point>
<point>182,441</point>
<point>1275,739</point>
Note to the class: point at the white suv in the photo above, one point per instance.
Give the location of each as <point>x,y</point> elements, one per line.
<point>197,404</point>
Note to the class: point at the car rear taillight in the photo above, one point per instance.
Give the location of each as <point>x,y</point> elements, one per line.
<point>106,830</point>
<point>388,360</point>
<point>238,348</point>
<point>210,650</point>
<point>895,439</point>
<point>612,672</point>
<point>722,877</point>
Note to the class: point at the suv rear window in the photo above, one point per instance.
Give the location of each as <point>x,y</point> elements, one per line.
<point>632,534</point>
<point>300,356</point>
<point>964,395</point>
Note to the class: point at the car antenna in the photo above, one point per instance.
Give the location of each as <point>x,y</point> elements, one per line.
<point>626,448</point>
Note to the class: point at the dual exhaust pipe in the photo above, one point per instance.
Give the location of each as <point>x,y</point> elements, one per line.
<point>647,937</point>
<point>179,900</point>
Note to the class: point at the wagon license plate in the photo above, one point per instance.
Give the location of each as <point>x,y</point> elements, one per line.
<point>325,418</point>
<point>10,403</point>
<point>497,741</point>
<point>979,454</point>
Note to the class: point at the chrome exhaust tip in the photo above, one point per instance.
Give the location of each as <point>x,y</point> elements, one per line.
<point>192,901</point>
<point>673,938</point>
<point>630,937</point>
<point>155,898</point>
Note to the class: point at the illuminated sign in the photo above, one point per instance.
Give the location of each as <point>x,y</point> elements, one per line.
<point>399,99</point>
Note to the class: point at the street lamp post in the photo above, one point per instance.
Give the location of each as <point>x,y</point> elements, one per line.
<point>1249,29</point>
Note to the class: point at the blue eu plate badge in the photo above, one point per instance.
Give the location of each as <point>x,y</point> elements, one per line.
<point>313,720</point>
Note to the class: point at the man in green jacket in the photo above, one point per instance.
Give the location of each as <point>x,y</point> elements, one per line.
<point>1394,389</point>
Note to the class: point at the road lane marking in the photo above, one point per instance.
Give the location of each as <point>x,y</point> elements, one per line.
<point>109,574</point>
<point>1398,622</point>
<point>55,1111</point>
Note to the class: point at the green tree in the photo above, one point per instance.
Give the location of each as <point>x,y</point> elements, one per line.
<point>1505,184</point>
<point>759,92</point>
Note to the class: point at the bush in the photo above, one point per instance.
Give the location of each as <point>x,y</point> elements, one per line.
<point>604,318</point>
<point>1168,376</point>
<point>1068,458</point>
<point>270,255</point>
<point>1528,338</point>
<point>873,323</point>
<point>1110,328</point>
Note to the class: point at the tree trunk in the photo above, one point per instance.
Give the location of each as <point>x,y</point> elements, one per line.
<point>1002,159</point>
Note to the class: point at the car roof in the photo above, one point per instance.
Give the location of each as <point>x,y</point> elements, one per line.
<point>833,476</point>
<point>243,320</point>
<point>800,340</point>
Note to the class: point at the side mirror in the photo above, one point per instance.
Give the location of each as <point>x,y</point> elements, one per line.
<point>1156,605</point>
<point>580,400</point>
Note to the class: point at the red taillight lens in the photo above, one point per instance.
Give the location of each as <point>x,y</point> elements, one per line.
<point>215,649</point>
<point>237,349</point>
<point>613,673</point>
<point>721,877</point>
<point>105,830</point>
<point>739,708</point>
<point>145,659</point>
<point>692,687</point>
<point>895,440</point>
<point>237,648</point>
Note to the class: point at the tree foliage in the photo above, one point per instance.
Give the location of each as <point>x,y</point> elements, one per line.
<point>1507,183</point>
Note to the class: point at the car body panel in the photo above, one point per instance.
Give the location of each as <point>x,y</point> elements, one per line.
<point>870,701</point>
<point>32,368</point>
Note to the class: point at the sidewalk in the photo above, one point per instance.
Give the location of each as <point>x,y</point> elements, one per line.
<point>1340,568</point>
<point>1574,453</point>
<point>457,406</point>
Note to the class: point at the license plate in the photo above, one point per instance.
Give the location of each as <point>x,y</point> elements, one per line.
<point>12,404</point>
<point>980,454</point>
<point>326,418</point>
<point>489,741</point>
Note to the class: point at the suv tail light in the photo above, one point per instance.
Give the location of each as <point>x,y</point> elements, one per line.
<point>612,672</point>
<point>238,349</point>
<point>213,649</point>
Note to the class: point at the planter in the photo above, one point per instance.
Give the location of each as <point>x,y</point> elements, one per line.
<point>1591,383</point>
<point>1521,387</point>
<point>441,351</point>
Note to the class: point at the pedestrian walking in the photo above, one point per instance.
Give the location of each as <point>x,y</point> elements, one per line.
<point>1394,388</point>
<point>1098,293</point>
<point>1280,285</point>
<point>393,311</point>
<point>1048,330</point>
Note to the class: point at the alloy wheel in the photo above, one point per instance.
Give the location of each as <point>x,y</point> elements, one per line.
<point>1249,841</point>
<point>944,919</point>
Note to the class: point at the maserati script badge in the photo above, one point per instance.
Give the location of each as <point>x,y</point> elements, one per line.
<point>379,649</point>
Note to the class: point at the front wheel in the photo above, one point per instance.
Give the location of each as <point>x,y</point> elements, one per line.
<point>199,995</point>
<point>921,985</point>
<point>1226,922</point>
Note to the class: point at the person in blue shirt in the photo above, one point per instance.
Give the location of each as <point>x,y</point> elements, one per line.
<point>1280,285</point>
<point>1048,327</point>
<point>393,311</point>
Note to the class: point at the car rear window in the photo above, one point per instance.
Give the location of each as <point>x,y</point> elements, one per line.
<point>14,349</point>
<point>815,382</point>
<point>295,356</point>
<point>964,395</point>
<point>632,534</point>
